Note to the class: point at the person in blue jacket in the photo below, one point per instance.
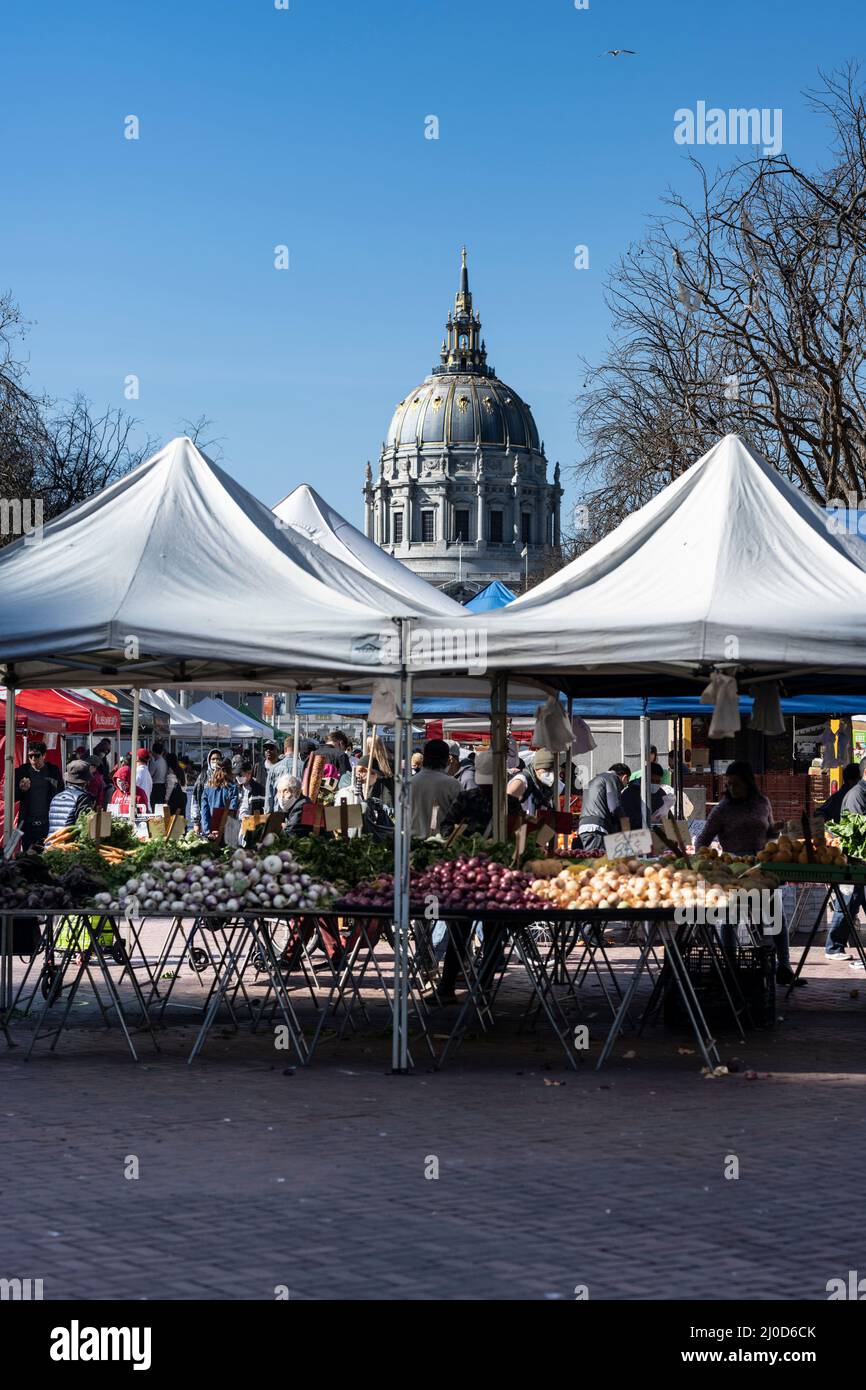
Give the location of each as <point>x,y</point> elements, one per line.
<point>220,790</point>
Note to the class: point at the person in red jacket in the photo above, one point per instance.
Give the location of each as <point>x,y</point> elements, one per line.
<point>120,796</point>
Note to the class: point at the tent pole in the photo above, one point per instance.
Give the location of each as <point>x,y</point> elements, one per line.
<point>402,842</point>
<point>498,708</point>
<point>133,752</point>
<point>297,744</point>
<point>8,810</point>
<point>9,762</point>
<point>398,879</point>
<point>407,865</point>
<point>644,771</point>
<point>569,757</point>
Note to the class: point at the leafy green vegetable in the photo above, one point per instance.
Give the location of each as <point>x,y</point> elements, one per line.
<point>342,861</point>
<point>851,829</point>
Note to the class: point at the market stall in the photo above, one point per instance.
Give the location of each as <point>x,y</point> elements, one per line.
<point>335,538</point>
<point>223,622</point>
<point>241,727</point>
<point>324,636</point>
<point>183,725</point>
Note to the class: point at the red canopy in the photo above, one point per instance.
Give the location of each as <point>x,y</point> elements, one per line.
<point>55,711</point>
<point>104,718</point>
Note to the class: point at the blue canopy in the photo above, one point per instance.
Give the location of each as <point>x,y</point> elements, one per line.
<point>423,706</point>
<point>310,702</point>
<point>496,595</point>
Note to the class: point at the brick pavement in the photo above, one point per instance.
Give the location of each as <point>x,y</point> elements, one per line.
<point>254,1175</point>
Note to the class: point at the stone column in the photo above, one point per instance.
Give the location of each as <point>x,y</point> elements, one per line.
<point>383,494</point>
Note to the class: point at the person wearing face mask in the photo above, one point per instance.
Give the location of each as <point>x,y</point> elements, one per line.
<point>219,794</point>
<point>214,760</point>
<point>290,800</point>
<point>632,803</point>
<point>602,812</point>
<point>533,787</point>
<point>252,793</point>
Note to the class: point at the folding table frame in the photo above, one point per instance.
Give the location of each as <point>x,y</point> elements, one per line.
<point>833,890</point>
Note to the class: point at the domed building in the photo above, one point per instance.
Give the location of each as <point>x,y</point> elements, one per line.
<point>462,488</point>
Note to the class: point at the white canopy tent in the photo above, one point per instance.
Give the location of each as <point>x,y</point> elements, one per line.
<point>311,516</point>
<point>176,575</point>
<point>215,711</point>
<point>185,724</point>
<point>729,567</point>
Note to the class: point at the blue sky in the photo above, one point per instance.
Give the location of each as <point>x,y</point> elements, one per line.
<point>305,127</point>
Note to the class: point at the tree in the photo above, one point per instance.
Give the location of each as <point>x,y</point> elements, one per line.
<point>746,312</point>
<point>57,452</point>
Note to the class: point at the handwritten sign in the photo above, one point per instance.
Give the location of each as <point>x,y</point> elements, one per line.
<point>99,825</point>
<point>342,818</point>
<point>627,843</point>
<point>231,831</point>
<point>675,830</point>
<point>544,836</point>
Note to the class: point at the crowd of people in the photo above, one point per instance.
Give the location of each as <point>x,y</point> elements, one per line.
<point>451,786</point>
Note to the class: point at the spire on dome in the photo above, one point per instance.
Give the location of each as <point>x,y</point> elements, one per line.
<point>463,299</point>
<point>462,349</point>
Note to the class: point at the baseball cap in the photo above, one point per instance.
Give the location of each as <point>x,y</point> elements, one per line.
<point>484,768</point>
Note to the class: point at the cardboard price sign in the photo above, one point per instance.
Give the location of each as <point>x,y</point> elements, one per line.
<point>99,825</point>
<point>230,831</point>
<point>313,815</point>
<point>626,844</point>
<point>342,818</point>
<point>544,836</point>
<point>519,843</point>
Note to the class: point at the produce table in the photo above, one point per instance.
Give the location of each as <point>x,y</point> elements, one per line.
<point>246,939</point>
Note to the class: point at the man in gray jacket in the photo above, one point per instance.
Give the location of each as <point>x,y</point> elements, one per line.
<point>602,811</point>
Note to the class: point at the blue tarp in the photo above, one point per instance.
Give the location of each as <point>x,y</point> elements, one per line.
<point>357,706</point>
<point>496,595</point>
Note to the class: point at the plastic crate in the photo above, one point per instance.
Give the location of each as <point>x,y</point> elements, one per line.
<point>814,873</point>
<point>755,968</point>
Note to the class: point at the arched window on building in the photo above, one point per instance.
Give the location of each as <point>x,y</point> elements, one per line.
<point>398,527</point>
